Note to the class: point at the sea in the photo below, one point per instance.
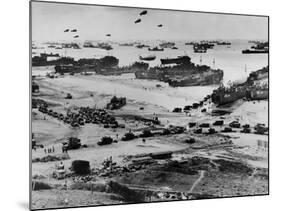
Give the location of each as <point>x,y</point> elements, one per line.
<point>236,67</point>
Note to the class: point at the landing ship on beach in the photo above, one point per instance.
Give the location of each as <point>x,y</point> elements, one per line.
<point>182,72</point>
<point>254,88</point>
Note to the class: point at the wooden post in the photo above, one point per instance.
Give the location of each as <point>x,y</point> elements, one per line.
<point>33,186</point>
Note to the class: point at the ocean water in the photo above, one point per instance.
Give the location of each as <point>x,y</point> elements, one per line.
<point>236,67</point>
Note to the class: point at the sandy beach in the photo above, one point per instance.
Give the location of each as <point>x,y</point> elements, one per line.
<point>96,91</point>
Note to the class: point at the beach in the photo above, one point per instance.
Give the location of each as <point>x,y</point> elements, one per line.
<point>96,91</point>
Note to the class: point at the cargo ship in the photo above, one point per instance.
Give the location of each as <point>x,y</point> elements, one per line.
<point>181,72</point>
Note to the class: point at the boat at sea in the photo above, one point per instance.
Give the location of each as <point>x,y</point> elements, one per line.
<point>167,44</point>
<point>259,47</point>
<point>248,51</point>
<point>147,58</point>
<point>142,46</point>
<point>199,49</point>
<point>181,71</point>
<point>88,45</point>
<point>202,47</point>
<point>52,46</point>
<point>49,55</point>
<point>223,43</point>
<point>104,46</point>
<point>190,43</point>
<point>71,45</point>
<point>156,49</point>
<point>177,60</point>
<point>126,44</point>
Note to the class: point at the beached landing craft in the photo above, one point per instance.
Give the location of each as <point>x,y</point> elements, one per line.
<point>87,65</point>
<point>182,73</point>
<point>252,89</point>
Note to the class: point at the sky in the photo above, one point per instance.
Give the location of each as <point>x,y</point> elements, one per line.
<point>49,20</point>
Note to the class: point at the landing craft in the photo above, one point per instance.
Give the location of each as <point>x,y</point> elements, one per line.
<point>160,25</point>
<point>143,12</point>
<point>74,30</point>
<point>67,30</point>
<point>76,36</point>
<point>138,21</point>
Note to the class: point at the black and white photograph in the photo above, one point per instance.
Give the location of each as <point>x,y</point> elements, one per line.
<point>138,105</point>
